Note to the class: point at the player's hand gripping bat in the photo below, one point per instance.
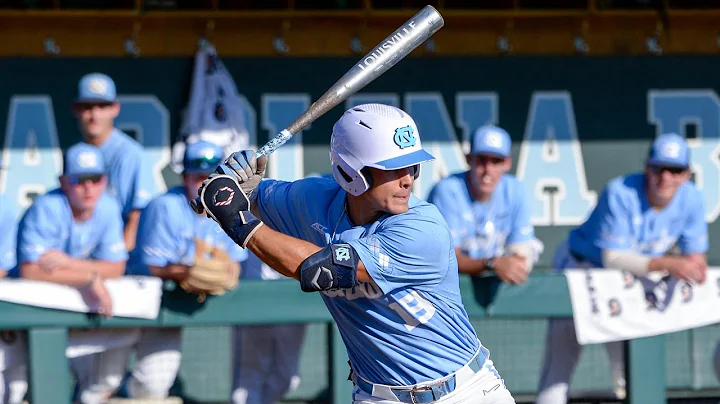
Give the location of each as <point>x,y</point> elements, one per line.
<point>385,55</point>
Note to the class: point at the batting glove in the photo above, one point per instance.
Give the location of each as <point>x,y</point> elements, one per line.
<point>246,168</point>
<point>226,203</point>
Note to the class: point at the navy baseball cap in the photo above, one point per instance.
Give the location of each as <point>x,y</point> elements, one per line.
<point>490,140</point>
<point>201,157</point>
<point>83,159</point>
<point>669,150</point>
<point>96,87</point>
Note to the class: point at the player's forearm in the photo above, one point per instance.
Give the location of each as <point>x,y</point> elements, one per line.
<point>176,272</point>
<point>106,269</point>
<point>29,270</point>
<point>281,252</point>
<point>130,230</point>
<point>467,265</point>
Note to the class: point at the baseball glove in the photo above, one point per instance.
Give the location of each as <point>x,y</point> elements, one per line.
<point>213,272</point>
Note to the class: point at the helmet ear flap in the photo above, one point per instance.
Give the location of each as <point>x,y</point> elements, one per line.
<point>350,179</point>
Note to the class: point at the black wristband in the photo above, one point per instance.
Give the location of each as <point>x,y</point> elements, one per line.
<point>489,264</point>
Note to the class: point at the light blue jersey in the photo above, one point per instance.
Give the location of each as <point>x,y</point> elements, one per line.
<point>129,181</point>
<point>167,231</point>
<point>49,225</point>
<point>624,220</point>
<point>484,229</point>
<point>407,326</point>
<point>8,237</point>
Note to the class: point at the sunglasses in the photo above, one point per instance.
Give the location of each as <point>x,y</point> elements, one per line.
<point>671,170</point>
<point>84,106</point>
<point>82,179</point>
<point>203,163</point>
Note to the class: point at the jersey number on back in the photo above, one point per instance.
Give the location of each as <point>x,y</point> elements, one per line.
<point>413,309</point>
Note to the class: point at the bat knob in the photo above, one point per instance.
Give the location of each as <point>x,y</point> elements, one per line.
<point>196,205</point>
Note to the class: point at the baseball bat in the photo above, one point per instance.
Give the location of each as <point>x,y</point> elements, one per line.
<point>384,56</point>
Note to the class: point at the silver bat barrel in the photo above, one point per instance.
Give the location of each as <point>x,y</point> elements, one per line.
<point>385,55</point>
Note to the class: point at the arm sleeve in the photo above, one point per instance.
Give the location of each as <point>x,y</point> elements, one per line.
<point>613,218</point>
<point>522,230</point>
<point>158,244</point>
<point>412,251</point>
<point>8,238</point>
<point>112,245</point>
<point>36,233</point>
<point>447,203</point>
<point>694,237</point>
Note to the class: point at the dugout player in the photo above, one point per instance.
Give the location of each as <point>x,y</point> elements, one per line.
<point>129,180</point>
<point>170,239</point>
<point>637,220</point>
<point>72,236</point>
<point>13,384</point>
<point>382,259</point>
<point>486,210</point>
<point>8,236</point>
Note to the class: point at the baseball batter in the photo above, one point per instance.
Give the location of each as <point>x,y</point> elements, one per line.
<point>73,236</point>
<point>167,244</point>
<point>637,220</point>
<point>129,181</point>
<point>487,212</point>
<point>382,259</point>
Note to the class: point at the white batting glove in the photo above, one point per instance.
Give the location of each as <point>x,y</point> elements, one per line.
<point>245,168</point>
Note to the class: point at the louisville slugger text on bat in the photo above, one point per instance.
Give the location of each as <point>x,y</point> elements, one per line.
<point>384,56</point>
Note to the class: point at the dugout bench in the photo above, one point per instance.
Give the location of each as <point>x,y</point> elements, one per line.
<point>544,295</point>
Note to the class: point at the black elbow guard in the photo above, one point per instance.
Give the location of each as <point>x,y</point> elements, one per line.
<point>333,267</point>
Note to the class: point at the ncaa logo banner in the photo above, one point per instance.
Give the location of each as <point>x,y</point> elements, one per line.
<point>611,305</point>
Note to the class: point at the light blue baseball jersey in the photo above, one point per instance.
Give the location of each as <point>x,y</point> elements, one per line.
<point>49,225</point>
<point>407,326</point>
<point>624,220</point>
<point>484,229</point>
<point>8,237</point>
<point>167,232</point>
<point>129,180</point>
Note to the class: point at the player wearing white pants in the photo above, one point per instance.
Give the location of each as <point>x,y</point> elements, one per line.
<point>167,247</point>
<point>13,384</point>
<point>637,220</point>
<point>382,260</point>
<point>562,351</point>
<point>266,356</point>
<point>486,383</point>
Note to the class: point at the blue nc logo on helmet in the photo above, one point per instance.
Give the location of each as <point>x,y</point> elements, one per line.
<point>405,137</point>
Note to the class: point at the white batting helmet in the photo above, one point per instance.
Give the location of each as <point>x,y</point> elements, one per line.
<point>373,135</point>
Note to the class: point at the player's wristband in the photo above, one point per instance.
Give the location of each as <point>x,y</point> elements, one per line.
<point>489,264</point>
<point>244,228</point>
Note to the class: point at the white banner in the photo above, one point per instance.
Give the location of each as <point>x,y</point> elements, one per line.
<point>132,296</point>
<point>610,305</point>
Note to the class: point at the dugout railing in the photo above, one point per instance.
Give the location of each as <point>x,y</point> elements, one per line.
<point>261,302</point>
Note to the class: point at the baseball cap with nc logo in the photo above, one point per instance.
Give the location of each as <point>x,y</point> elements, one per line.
<point>491,140</point>
<point>83,159</point>
<point>96,87</point>
<point>669,150</point>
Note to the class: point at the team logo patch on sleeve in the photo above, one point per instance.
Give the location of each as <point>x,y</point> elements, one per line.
<point>343,254</point>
